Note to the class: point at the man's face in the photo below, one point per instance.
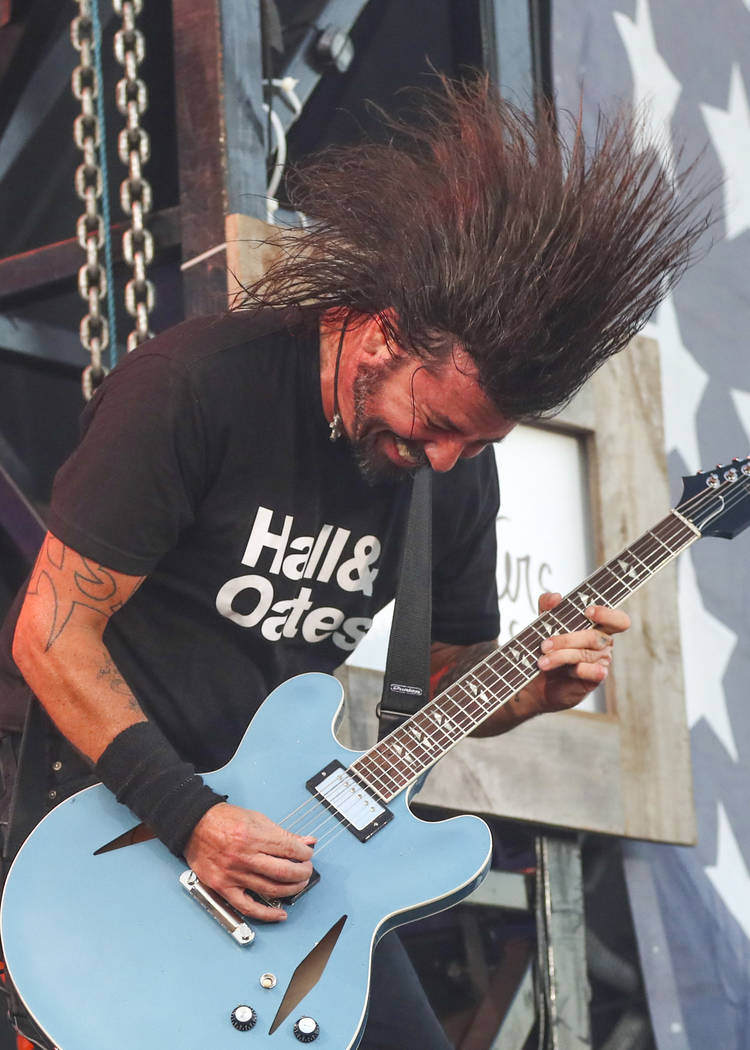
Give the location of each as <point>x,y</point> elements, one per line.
<point>407,414</point>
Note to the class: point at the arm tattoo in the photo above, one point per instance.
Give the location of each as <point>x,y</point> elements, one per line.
<point>460,665</point>
<point>108,673</point>
<point>65,580</point>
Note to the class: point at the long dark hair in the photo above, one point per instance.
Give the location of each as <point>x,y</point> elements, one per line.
<point>480,226</point>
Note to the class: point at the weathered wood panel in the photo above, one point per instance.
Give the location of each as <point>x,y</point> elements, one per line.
<point>550,769</point>
<point>631,482</point>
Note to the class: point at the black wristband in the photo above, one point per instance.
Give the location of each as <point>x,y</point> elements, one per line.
<point>143,771</point>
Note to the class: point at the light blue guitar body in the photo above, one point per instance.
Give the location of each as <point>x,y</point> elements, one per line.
<point>111,951</point>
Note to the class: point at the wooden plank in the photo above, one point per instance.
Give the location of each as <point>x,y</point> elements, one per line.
<point>577,416</point>
<point>221,145</point>
<point>561,769</point>
<point>631,481</point>
<point>250,251</point>
<point>252,246</point>
<point>200,130</point>
<point>37,269</point>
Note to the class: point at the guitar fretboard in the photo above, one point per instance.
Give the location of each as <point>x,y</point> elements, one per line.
<point>405,754</point>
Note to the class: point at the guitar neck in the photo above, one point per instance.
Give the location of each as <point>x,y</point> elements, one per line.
<point>398,760</point>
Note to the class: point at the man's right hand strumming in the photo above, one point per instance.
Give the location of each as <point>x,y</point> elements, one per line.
<point>233,850</point>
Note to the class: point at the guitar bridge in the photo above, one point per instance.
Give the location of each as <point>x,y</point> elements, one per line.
<point>355,805</point>
<point>219,909</point>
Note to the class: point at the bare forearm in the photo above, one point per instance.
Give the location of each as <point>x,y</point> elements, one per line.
<point>451,662</point>
<point>59,648</point>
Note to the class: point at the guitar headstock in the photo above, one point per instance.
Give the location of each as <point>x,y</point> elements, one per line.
<point>718,501</point>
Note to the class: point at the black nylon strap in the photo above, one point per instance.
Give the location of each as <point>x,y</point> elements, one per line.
<point>406,685</point>
<point>30,792</point>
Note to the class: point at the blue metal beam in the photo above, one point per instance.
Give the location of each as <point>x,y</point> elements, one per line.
<point>44,87</point>
<point>44,341</point>
<point>303,65</point>
<point>19,518</point>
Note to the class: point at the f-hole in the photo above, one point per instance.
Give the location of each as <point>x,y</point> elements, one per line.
<point>140,833</point>
<point>307,974</point>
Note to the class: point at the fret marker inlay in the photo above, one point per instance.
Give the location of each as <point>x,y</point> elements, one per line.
<point>628,569</point>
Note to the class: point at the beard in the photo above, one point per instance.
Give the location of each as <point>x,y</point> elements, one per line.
<point>374,465</point>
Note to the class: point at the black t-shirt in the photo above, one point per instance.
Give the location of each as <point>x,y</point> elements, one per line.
<point>205,465</point>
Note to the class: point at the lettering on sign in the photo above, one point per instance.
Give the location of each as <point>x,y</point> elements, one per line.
<point>521,578</point>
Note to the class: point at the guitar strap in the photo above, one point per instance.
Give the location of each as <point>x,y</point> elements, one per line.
<point>406,686</point>
<point>29,800</point>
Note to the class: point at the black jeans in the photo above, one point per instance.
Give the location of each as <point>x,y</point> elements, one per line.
<point>400,1016</point>
<point>37,771</point>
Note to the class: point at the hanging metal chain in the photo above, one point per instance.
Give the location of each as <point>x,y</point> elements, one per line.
<point>92,280</point>
<point>134,149</point>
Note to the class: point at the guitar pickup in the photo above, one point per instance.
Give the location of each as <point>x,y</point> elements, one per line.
<point>227,917</point>
<point>356,806</point>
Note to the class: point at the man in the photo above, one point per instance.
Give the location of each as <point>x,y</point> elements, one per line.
<point>207,540</point>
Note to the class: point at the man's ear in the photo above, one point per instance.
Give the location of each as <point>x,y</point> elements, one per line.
<point>377,344</point>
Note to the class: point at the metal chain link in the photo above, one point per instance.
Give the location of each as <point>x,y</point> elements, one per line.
<point>92,279</point>
<point>134,150</point>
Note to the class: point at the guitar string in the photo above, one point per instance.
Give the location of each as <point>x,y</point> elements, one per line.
<point>323,815</point>
<point>649,538</point>
<point>333,833</point>
<point>614,582</point>
<point>466,717</point>
<point>702,497</point>
<point>337,828</point>
<point>465,723</point>
<point>368,773</point>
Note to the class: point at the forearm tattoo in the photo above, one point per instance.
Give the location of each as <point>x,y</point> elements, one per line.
<point>109,675</point>
<point>65,581</point>
<point>460,665</point>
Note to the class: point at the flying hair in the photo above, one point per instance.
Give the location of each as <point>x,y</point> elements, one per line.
<point>481,227</point>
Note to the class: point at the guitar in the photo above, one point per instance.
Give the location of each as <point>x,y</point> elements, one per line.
<point>109,942</point>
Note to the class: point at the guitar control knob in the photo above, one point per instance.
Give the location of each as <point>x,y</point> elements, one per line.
<point>243,1018</point>
<point>306,1029</point>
